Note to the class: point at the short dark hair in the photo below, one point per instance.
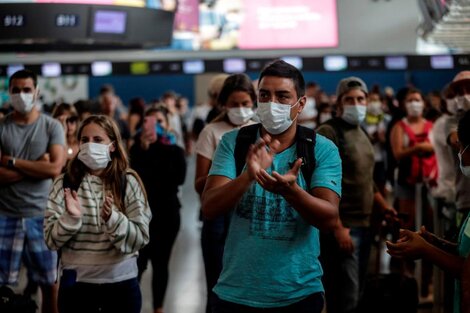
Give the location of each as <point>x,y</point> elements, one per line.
<point>158,108</point>
<point>23,74</point>
<point>463,131</point>
<point>280,68</point>
<point>236,82</point>
<point>106,88</point>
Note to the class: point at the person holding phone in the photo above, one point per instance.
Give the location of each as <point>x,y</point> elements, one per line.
<point>98,217</point>
<point>162,166</point>
<point>237,98</point>
<point>448,256</point>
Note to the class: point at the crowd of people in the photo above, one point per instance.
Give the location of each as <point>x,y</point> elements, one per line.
<point>295,188</point>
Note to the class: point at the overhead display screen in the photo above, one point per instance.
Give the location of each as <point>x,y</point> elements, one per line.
<point>200,24</point>
<point>168,5</point>
<point>260,24</point>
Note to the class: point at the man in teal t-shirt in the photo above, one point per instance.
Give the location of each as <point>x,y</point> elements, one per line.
<point>271,253</point>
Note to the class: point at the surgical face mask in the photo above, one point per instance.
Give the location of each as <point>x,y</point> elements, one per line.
<point>375,108</point>
<point>451,106</point>
<point>354,114</point>
<point>463,103</point>
<point>415,108</point>
<point>275,117</point>
<point>95,156</point>
<point>22,102</point>
<point>465,169</point>
<point>323,117</point>
<point>240,115</point>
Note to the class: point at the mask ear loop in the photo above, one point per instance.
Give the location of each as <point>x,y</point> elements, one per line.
<point>463,151</point>
<point>298,113</point>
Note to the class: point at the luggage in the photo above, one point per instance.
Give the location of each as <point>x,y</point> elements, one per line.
<point>11,302</point>
<point>390,293</point>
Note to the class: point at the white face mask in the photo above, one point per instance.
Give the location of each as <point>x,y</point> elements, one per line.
<point>323,117</point>
<point>22,102</point>
<point>415,108</point>
<point>451,106</point>
<point>354,114</point>
<point>375,108</point>
<point>463,103</point>
<point>240,115</point>
<point>465,169</point>
<point>94,155</point>
<point>275,117</point>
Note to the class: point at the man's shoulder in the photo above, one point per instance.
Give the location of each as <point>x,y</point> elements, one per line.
<point>324,145</point>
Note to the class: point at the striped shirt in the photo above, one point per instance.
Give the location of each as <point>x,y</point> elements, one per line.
<point>88,240</point>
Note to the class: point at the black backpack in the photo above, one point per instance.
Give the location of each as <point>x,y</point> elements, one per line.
<point>305,139</point>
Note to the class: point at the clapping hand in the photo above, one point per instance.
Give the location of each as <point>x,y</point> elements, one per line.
<point>260,156</point>
<point>107,207</point>
<point>277,183</point>
<point>72,204</point>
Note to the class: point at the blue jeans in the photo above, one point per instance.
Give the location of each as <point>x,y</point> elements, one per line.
<point>76,297</point>
<point>344,274</point>
<point>312,304</point>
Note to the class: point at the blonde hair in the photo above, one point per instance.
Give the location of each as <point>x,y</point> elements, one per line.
<point>119,164</point>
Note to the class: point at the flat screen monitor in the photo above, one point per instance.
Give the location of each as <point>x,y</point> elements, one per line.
<point>109,22</point>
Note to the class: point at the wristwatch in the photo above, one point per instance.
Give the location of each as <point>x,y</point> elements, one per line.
<point>11,163</point>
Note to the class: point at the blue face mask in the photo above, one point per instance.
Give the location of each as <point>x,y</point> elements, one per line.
<point>354,114</point>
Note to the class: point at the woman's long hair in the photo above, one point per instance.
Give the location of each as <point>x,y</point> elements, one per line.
<point>119,164</point>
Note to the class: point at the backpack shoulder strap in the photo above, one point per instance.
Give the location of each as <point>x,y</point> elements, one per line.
<point>246,136</point>
<point>306,139</point>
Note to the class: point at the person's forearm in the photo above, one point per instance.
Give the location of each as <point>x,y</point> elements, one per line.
<point>380,202</point>
<point>317,212</point>
<point>449,263</point>
<point>8,176</point>
<point>39,169</point>
<point>405,152</point>
<point>217,201</point>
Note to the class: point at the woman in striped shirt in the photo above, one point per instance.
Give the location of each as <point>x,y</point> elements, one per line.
<point>98,226</point>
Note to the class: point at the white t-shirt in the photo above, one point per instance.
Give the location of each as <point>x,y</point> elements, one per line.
<point>210,137</point>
